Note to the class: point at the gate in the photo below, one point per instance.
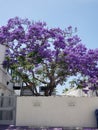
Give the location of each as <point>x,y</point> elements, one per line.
<point>7,110</point>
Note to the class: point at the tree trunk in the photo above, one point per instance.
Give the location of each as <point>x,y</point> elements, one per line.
<point>31,86</point>
<point>49,90</point>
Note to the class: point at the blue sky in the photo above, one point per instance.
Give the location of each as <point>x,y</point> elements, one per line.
<point>82,14</point>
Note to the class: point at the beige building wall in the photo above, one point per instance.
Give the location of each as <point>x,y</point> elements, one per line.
<point>2,54</point>
<point>56,111</point>
<point>6,87</point>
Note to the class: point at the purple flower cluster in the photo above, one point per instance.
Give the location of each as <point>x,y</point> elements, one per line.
<point>58,53</point>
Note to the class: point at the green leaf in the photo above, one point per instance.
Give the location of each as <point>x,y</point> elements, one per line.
<point>32,54</point>
<point>21,58</point>
<point>7,58</point>
<point>79,87</point>
<point>39,71</point>
<point>39,59</point>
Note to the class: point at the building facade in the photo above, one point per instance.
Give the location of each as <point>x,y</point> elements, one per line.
<point>6,87</point>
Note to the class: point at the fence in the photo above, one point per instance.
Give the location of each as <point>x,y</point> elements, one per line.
<point>56,111</point>
<point>7,110</point>
<point>48,111</point>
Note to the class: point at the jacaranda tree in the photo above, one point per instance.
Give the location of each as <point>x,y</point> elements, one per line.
<point>42,56</point>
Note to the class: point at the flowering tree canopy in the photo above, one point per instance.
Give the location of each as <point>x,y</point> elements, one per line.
<point>43,56</point>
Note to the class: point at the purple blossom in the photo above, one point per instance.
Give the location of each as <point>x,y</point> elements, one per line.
<point>33,43</point>
<point>85,91</point>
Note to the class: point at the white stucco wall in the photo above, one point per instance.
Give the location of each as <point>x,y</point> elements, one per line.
<point>4,77</point>
<point>2,53</point>
<point>56,111</point>
<point>6,89</point>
